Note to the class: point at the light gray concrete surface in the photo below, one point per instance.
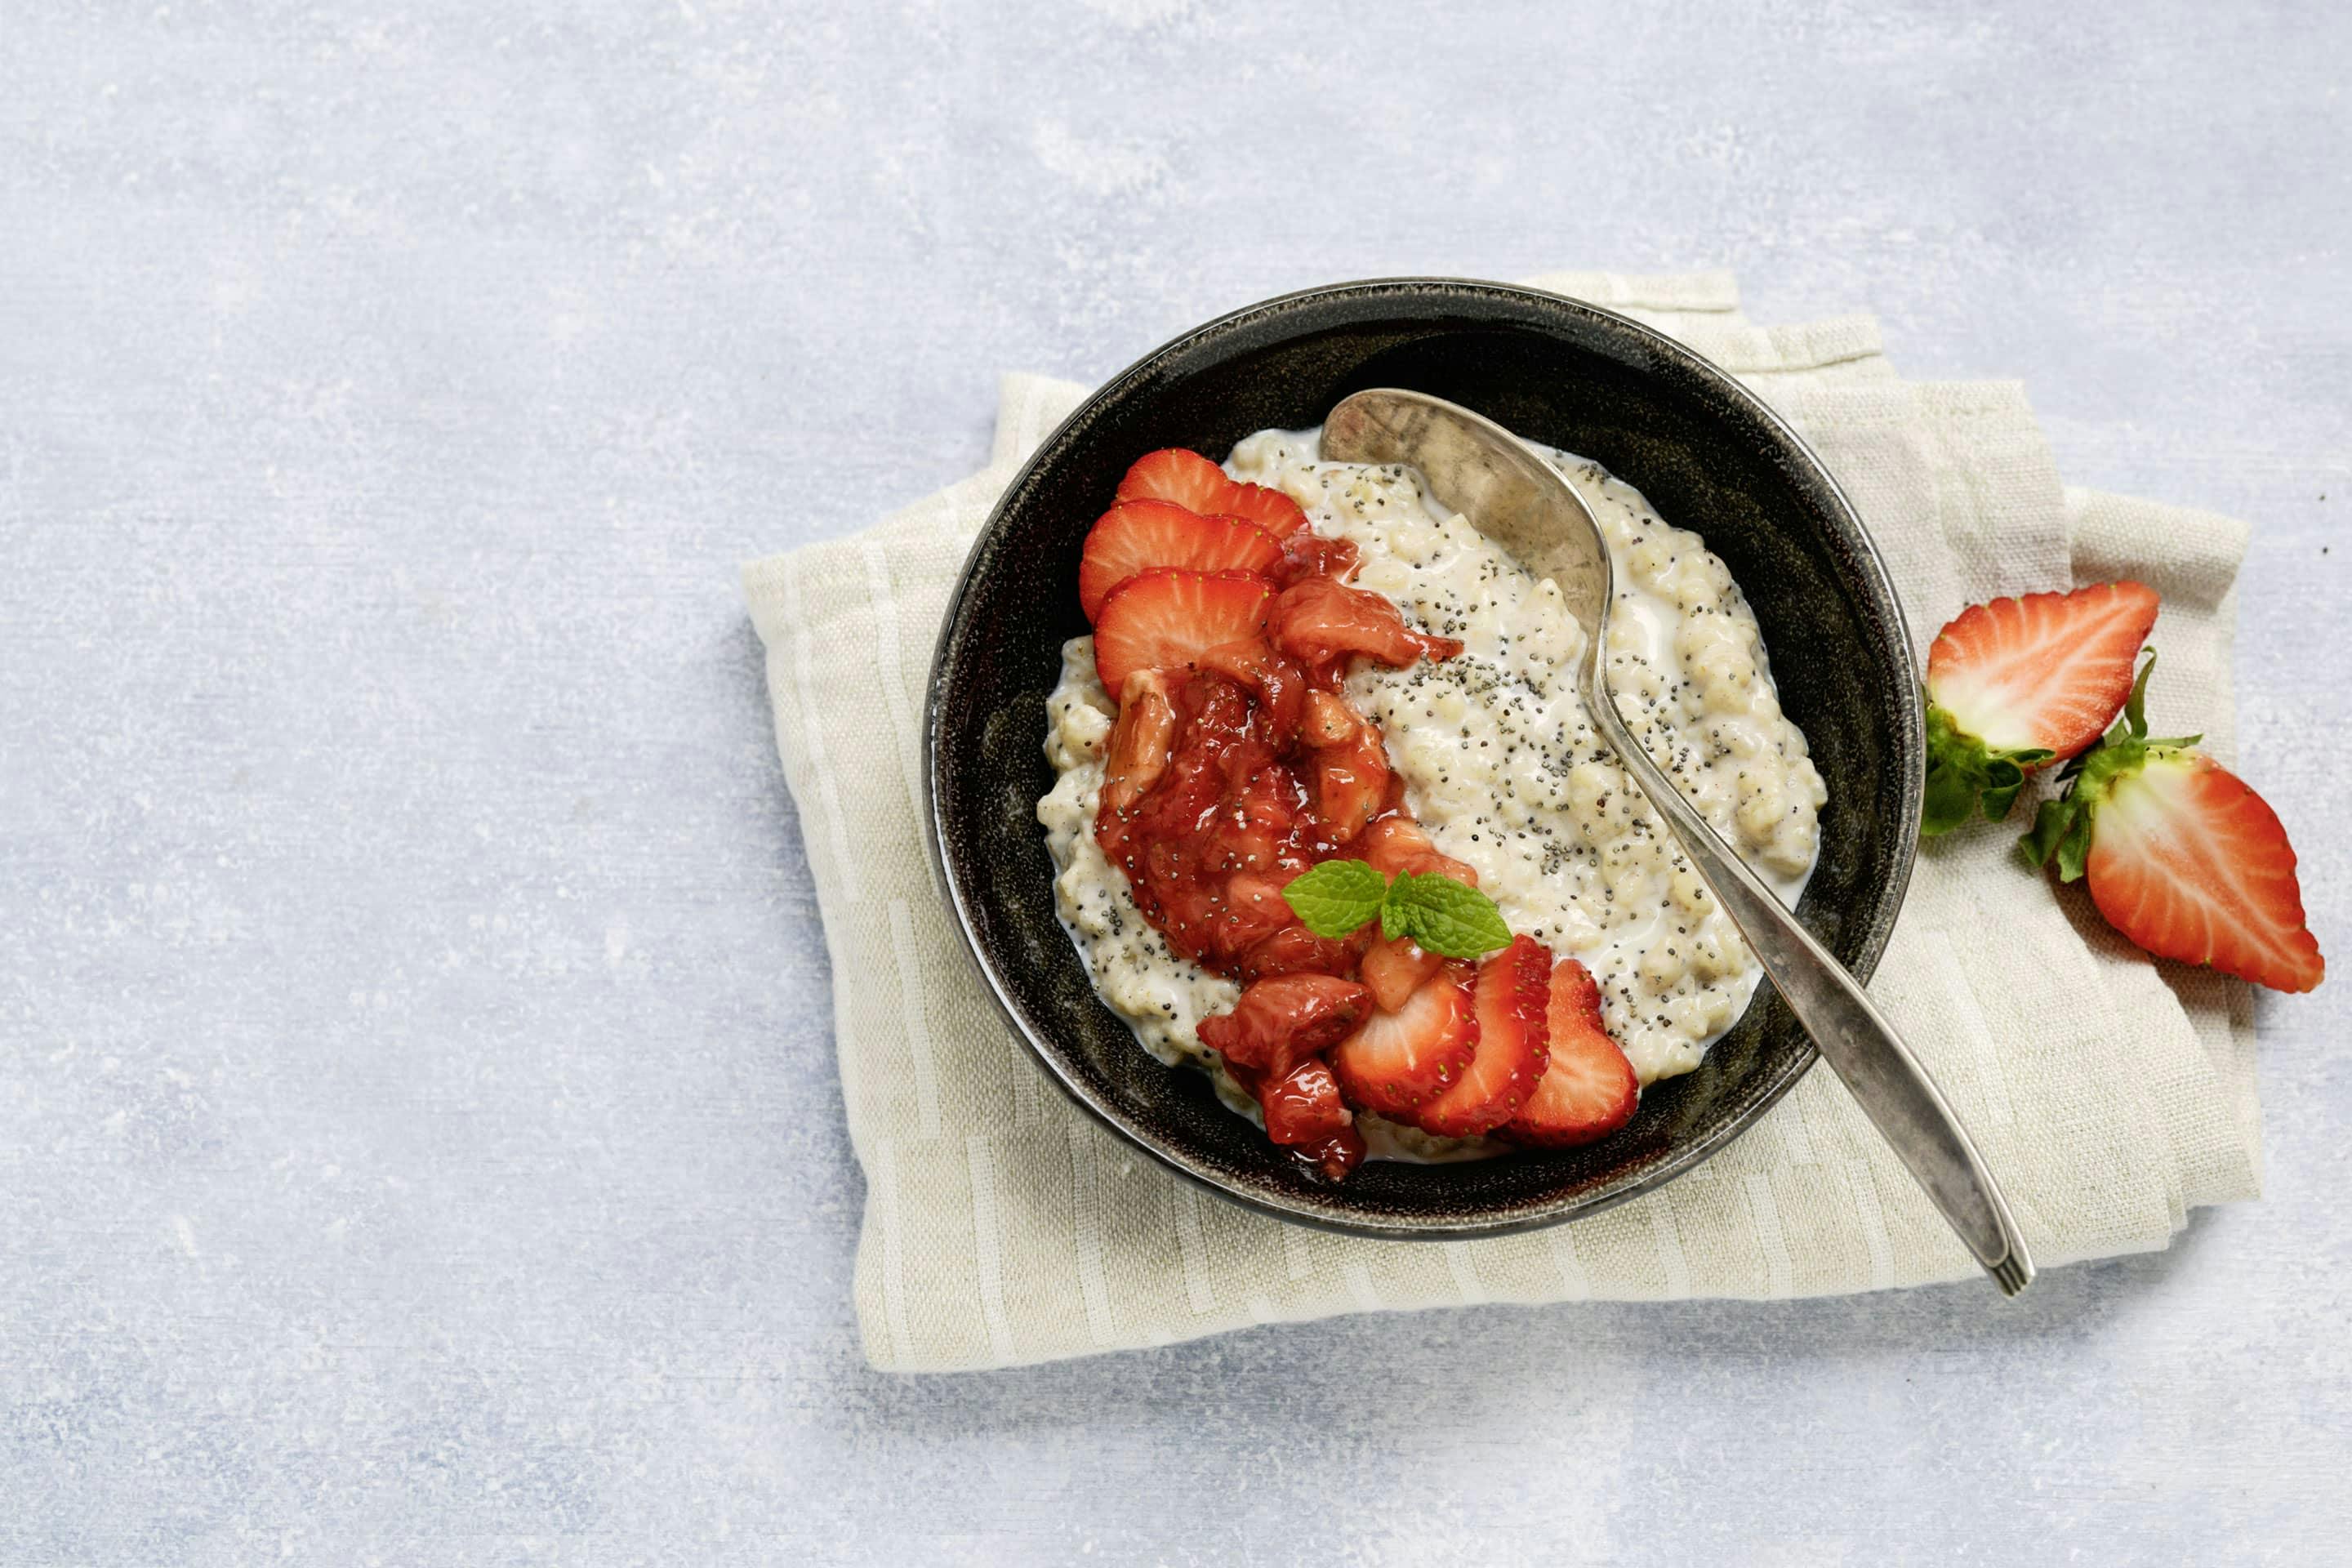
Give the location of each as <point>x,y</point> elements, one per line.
<point>419,1140</point>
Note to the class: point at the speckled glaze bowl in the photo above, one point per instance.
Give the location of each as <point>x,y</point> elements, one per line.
<point>1707,452</point>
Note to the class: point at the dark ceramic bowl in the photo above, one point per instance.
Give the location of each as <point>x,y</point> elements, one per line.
<point>1704,451</point>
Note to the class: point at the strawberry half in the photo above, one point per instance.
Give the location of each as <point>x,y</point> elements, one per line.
<point>1164,619</point>
<point>1588,1090</point>
<point>2182,857</point>
<point>1279,1023</point>
<point>1514,1001</point>
<point>2019,683</point>
<point>1395,1061</point>
<point>1137,535</point>
<point>1191,482</point>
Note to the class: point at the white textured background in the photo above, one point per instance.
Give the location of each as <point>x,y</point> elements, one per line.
<point>419,1141</point>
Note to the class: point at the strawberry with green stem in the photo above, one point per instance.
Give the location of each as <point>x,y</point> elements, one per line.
<point>2180,855</point>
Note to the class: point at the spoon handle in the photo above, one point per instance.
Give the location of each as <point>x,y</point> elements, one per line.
<point>1894,1090</point>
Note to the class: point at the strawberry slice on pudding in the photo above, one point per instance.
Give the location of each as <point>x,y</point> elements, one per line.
<point>1191,482</point>
<point>1588,1090</point>
<point>1513,999</point>
<point>1166,619</point>
<point>1135,536</point>
<point>1395,1062</point>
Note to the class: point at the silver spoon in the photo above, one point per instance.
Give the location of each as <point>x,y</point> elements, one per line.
<point>1480,469</point>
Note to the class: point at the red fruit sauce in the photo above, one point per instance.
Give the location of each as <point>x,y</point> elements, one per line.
<point>1244,804</point>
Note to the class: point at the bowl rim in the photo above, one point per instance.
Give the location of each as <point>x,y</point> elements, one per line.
<point>1557,1208</point>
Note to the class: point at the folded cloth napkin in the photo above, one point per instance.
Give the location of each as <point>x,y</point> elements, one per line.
<point>2110,1094</point>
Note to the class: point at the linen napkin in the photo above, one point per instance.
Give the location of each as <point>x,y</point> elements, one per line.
<point>2109,1094</point>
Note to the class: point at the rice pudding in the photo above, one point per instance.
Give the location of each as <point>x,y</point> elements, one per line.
<point>1497,762</point>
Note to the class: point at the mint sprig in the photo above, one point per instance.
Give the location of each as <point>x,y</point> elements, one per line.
<point>1451,919</point>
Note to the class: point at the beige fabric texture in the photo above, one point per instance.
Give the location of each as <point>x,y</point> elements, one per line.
<point>2111,1095</point>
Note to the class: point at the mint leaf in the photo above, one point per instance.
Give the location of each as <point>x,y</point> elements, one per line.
<point>1450,919</point>
<point>1446,917</point>
<point>1337,897</point>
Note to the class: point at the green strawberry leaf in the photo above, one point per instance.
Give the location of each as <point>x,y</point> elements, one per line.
<point>1955,780</point>
<point>2003,779</point>
<point>2074,849</point>
<point>1962,775</point>
<point>1337,897</point>
<point>2058,830</point>
<point>2135,705</point>
<point>1448,918</point>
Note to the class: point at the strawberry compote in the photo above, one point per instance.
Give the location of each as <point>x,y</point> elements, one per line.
<point>1234,770</point>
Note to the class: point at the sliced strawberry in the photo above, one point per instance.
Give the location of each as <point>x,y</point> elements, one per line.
<point>1302,1107</point>
<point>1319,623</point>
<point>2183,858</point>
<point>1141,743</point>
<point>1279,686</point>
<point>1280,1022</point>
<point>1172,474</point>
<point>1137,535</point>
<point>1164,619</point>
<point>1394,970</point>
<point>1269,509</point>
<point>1395,1061</point>
<point>1191,482</point>
<point>1514,1000</point>
<point>2018,684</point>
<point>1588,1090</point>
<point>1350,784</point>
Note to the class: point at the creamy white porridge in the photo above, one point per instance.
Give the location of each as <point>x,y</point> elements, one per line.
<point>1500,762</point>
